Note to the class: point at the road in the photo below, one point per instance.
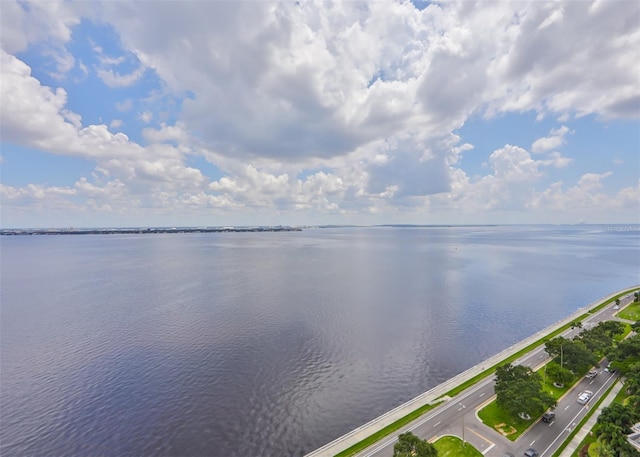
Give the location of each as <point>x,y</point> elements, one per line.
<point>458,416</point>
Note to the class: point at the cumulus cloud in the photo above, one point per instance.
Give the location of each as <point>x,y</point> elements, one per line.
<point>25,23</point>
<point>36,116</point>
<point>556,160</point>
<point>586,195</point>
<point>553,141</point>
<point>328,107</point>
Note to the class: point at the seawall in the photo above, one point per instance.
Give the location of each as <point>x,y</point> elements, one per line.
<point>355,436</point>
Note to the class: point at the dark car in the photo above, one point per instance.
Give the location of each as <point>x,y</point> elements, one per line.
<point>531,452</point>
<point>548,416</point>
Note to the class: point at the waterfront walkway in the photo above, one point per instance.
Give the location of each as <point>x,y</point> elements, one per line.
<point>437,393</point>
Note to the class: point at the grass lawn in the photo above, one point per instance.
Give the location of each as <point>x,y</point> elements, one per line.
<point>389,429</point>
<point>451,446</point>
<point>631,312</point>
<point>492,415</point>
<point>497,418</point>
<point>557,392</point>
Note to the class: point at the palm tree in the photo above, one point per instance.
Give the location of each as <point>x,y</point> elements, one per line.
<point>575,325</point>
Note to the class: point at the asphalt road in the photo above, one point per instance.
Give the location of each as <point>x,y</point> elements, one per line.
<point>458,415</point>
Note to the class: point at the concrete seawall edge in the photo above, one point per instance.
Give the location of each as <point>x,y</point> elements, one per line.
<point>355,436</point>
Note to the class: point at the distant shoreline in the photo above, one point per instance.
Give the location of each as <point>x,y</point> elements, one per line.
<point>612,227</point>
<point>144,231</point>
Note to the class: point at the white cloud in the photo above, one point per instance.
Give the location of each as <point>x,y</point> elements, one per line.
<point>335,108</point>
<point>146,116</point>
<point>556,160</point>
<point>124,105</point>
<point>28,22</point>
<point>114,79</point>
<point>553,141</point>
<point>586,196</point>
<point>64,62</point>
<point>36,116</point>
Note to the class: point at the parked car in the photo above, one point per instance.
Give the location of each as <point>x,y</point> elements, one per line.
<point>548,416</point>
<point>592,374</point>
<point>531,452</point>
<point>584,397</point>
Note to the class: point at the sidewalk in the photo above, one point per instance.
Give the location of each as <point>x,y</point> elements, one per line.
<point>436,394</point>
<point>586,428</point>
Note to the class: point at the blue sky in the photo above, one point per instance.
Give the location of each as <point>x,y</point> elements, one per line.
<point>257,113</point>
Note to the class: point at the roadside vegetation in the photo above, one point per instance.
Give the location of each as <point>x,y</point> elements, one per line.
<point>615,421</point>
<point>631,312</point>
<point>409,445</point>
<point>452,446</point>
<point>522,395</point>
<point>389,429</point>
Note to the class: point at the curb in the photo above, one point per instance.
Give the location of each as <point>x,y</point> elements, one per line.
<point>364,431</point>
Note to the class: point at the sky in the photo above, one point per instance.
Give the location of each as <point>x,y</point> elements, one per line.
<point>214,113</point>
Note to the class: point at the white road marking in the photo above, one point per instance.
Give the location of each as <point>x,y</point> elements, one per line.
<point>488,449</point>
<point>435,425</point>
<point>482,394</point>
<point>566,407</point>
<point>532,442</point>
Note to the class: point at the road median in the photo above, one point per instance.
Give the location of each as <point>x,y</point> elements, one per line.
<point>394,420</point>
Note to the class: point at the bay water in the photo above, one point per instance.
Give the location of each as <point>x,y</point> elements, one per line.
<point>269,343</point>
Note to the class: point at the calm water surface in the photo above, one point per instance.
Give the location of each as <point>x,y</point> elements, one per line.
<point>268,344</point>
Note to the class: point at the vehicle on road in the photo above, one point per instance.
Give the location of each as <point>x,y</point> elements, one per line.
<point>531,452</point>
<point>548,416</point>
<point>616,307</point>
<point>584,397</point>
<point>592,374</point>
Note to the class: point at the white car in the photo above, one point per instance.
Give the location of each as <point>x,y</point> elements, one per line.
<point>592,374</point>
<point>584,397</point>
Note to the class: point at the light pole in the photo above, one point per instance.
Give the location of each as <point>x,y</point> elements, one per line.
<point>462,407</point>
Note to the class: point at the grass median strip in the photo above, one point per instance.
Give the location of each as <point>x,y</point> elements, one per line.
<point>389,429</point>
<point>452,446</point>
<point>365,443</point>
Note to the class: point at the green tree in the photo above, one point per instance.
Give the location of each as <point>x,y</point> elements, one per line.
<point>610,328</point>
<point>612,428</point>
<point>619,415</point>
<point>571,354</point>
<point>519,390</point>
<point>636,296</point>
<point>555,346</point>
<point>409,445</point>
<point>575,325</point>
<point>626,357</point>
<point>559,374</point>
